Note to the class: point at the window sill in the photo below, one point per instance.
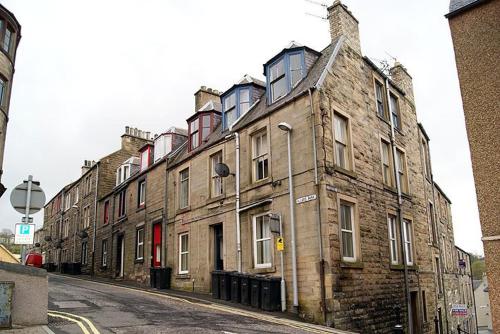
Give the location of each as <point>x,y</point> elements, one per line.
<point>259,183</point>
<point>139,261</point>
<point>219,198</point>
<point>140,208</point>
<point>183,210</point>
<point>268,270</point>
<point>391,189</point>
<point>345,172</point>
<point>183,276</point>
<point>353,265</point>
<point>103,267</point>
<point>121,219</point>
<point>402,267</point>
<point>385,120</point>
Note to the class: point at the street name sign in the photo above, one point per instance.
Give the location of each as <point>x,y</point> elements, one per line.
<point>304,199</point>
<point>459,310</point>
<point>25,234</point>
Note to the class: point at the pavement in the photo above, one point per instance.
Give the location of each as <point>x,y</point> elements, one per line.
<point>86,306</point>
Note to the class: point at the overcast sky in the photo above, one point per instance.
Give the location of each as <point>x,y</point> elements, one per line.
<point>86,69</point>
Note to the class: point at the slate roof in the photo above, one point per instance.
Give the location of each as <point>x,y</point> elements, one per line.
<point>261,109</point>
<point>249,79</point>
<point>458,6</point>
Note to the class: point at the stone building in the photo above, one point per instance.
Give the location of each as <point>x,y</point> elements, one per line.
<point>10,36</point>
<point>475,28</point>
<point>70,216</point>
<point>131,225</point>
<point>371,227</point>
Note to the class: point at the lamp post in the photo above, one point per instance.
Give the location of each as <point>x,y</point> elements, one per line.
<point>288,129</point>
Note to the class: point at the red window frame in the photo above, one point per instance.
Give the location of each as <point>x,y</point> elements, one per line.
<point>199,119</point>
<point>148,149</point>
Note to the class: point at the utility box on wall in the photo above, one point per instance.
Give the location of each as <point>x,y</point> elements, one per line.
<point>6,293</point>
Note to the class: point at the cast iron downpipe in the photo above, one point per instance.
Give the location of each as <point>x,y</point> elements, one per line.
<point>318,213</point>
<point>400,209</point>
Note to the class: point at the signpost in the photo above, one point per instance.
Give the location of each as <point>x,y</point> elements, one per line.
<point>27,198</point>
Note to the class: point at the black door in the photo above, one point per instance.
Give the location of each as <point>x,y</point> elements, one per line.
<point>119,256</point>
<point>218,242</point>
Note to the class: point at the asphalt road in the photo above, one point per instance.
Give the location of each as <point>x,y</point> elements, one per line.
<point>113,309</point>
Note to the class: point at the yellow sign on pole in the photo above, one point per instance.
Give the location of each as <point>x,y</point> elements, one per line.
<point>280,244</point>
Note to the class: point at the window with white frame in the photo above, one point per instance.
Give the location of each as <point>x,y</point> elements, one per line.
<point>401,169</point>
<point>145,159</point>
<point>88,184</point>
<point>395,111</point>
<point>408,241</point>
<point>284,74</point>
<point>341,134</point>
<point>104,255</point>
<point>77,194</point>
<point>184,253</point>
<point>139,244</point>
<point>262,247</point>
<point>195,134</point>
<point>84,257</point>
<point>141,195</point>
<point>379,93</point>
<point>260,156</point>
<point>67,201</point>
<point>66,228</point>
<point>393,239</point>
<point>215,180</point>
<point>230,110</point>
<point>387,163</point>
<point>86,216</point>
<point>184,188</point>
<point>347,231</point>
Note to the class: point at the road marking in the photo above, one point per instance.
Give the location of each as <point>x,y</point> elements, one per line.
<point>87,321</point>
<point>272,319</point>
<point>79,323</point>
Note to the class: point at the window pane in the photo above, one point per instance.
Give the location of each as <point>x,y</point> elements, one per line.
<point>345,216</point>
<point>395,111</point>
<point>206,121</point>
<point>340,129</point>
<point>184,243</point>
<point>296,70</point>
<point>278,89</point>
<point>277,70</point>
<point>6,40</point>
<point>230,117</point>
<point>230,102</point>
<point>347,244</point>
<point>2,91</point>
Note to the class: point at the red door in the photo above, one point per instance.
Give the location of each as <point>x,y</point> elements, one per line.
<point>157,245</point>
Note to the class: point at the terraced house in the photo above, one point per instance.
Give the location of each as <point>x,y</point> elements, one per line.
<point>325,154</point>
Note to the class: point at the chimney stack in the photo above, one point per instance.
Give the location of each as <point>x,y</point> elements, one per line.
<point>203,95</point>
<point>400,76</point>
<point>343,23</point>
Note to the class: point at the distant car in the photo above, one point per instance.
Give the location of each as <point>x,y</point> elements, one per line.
<point>34,260</point>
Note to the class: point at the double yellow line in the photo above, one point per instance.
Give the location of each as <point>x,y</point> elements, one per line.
<point>80,321</point>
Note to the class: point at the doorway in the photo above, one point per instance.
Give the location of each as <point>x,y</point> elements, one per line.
<point>156,245</point>
<point>415,325</point>
<point>218,247</point>
<point>120,252</point>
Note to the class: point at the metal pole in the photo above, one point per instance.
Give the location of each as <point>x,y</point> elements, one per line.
<point>238,223</point>
<point>283,286</point>
<point>292,226</point>
<point>27,214</point>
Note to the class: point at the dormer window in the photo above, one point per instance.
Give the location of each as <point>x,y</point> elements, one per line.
<point>146,157</point>
<point>200,128</point>
<point>129,167</point>
<point>236,104</point>
<point>284,74</point>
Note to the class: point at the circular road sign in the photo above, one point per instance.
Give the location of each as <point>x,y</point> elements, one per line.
<point>19,196</point>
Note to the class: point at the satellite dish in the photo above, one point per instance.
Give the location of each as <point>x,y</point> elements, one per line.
<point>222,169</point>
